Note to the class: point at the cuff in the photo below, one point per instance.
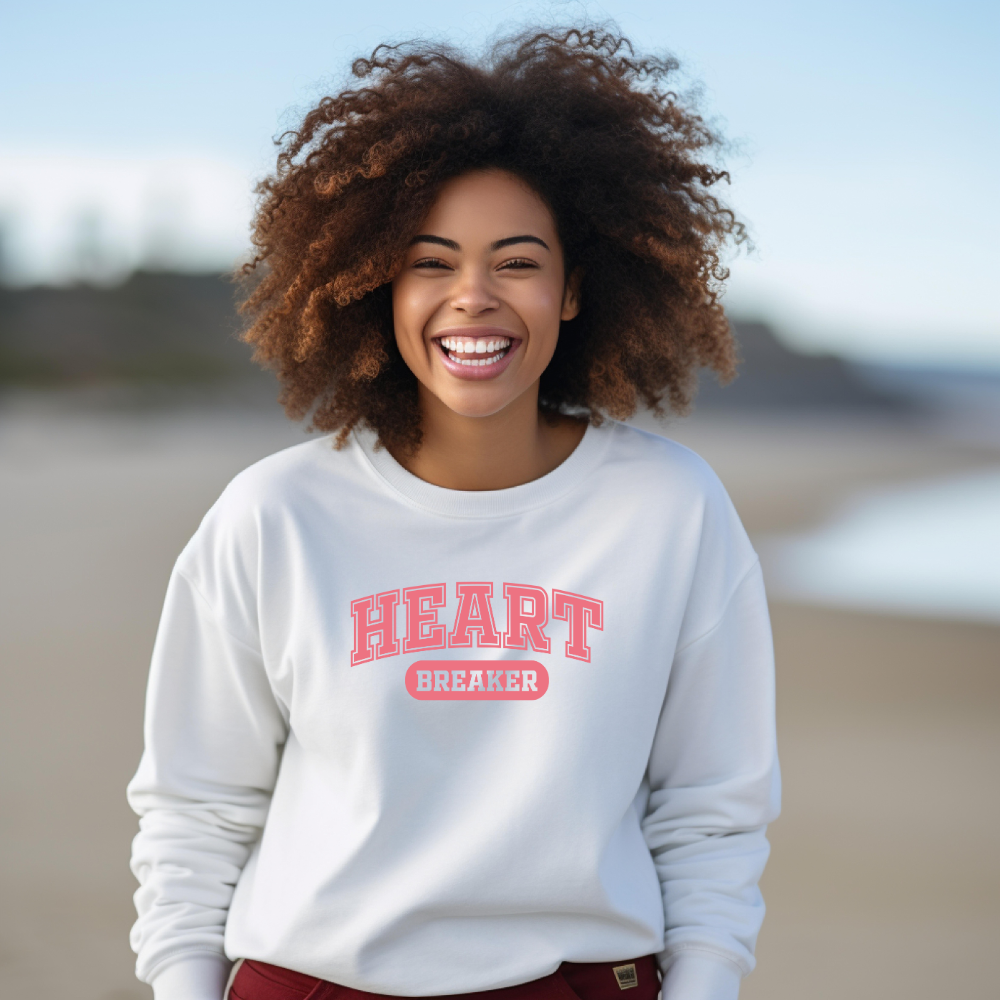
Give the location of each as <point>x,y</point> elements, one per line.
<point>198,977</point>
<point>697,977</point>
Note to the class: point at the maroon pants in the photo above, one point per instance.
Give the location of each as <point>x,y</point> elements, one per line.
<point>571,981</point>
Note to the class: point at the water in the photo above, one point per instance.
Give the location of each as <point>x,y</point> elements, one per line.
<point>931,549</point>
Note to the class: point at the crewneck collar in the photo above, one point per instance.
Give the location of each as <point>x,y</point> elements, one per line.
<point>564,478</point>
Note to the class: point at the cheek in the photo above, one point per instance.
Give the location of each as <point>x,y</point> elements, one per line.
<point>403,304</point>
<point>410,312</point>
<point>542,310</point>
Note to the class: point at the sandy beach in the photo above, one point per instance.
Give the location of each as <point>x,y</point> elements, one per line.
<point>884,880</point>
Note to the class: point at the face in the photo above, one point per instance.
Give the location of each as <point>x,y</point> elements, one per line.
<point>478,302</point>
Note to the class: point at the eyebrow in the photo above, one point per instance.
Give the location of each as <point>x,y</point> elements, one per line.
<point>496,245</point>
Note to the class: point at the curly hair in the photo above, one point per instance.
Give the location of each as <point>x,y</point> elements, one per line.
<point>620,160</point>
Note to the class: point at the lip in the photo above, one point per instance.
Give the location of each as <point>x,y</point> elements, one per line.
<point>476,333</point>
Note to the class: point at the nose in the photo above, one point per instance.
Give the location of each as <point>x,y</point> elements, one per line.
<point>472,293</point>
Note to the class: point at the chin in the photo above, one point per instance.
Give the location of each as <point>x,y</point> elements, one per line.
<point>478,401</point>
<point>478,408</point>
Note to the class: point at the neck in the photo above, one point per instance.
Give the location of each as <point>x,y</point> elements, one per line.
<point>496,452</point>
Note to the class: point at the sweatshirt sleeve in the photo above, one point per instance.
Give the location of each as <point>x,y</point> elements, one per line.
<point>214,731</point>
<point>714,785</point>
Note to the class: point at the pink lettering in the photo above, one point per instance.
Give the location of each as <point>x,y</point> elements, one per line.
<point>527,615</point>
<point>422,628</point>
<point>527,680</point>
<point>475,614</point>
<point>579,612</point>
<point>529,610</point>
<point>382,629</point>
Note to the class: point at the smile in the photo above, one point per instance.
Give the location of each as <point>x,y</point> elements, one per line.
<point>476,353</point>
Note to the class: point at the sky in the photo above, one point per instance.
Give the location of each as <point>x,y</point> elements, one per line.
<point>866,142</point>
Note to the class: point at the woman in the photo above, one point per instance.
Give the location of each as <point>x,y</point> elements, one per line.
<point>475,692</point>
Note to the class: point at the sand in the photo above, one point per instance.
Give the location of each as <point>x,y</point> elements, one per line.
<point>884,881</point>
<point>884,876</point>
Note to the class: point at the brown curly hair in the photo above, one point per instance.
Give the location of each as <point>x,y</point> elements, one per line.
<point>620,161</point>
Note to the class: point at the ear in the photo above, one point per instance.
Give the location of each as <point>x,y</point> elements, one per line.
<point>571,295</point>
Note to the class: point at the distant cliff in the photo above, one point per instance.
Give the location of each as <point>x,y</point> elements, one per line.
<point>179,328</point>
<point>772,376</point>
<point>155,326</point>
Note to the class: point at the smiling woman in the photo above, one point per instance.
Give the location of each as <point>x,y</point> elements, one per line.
<point>378,760</point>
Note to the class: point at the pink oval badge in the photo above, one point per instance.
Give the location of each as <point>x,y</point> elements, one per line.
<point>477,680</point>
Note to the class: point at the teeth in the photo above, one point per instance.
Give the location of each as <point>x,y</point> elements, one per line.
<point>458,345</point>
<point>478,362</point>
<point>493,350</point>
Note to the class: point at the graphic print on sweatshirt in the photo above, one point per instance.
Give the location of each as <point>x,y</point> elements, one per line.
<point>530,611</point>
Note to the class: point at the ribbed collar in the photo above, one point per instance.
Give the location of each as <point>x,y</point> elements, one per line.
<point>489,503</point>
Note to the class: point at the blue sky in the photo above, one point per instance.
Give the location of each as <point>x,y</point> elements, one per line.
<point>868,138</point>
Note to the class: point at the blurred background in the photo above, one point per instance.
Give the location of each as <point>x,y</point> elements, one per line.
<point>861,443</point>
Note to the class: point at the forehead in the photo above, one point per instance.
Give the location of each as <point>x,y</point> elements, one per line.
<point>487,205</point>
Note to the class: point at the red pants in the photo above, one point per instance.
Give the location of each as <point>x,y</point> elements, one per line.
<point>571,981</point>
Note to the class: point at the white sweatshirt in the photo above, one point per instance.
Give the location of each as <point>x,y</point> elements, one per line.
<point>420,741</point>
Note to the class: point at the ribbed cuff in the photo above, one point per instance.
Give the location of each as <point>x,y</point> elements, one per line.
<point>698,977</point>
<point>200,977</point>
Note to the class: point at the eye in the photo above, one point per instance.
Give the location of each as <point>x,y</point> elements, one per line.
<point>518,264</point>
<point>431,262</point>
